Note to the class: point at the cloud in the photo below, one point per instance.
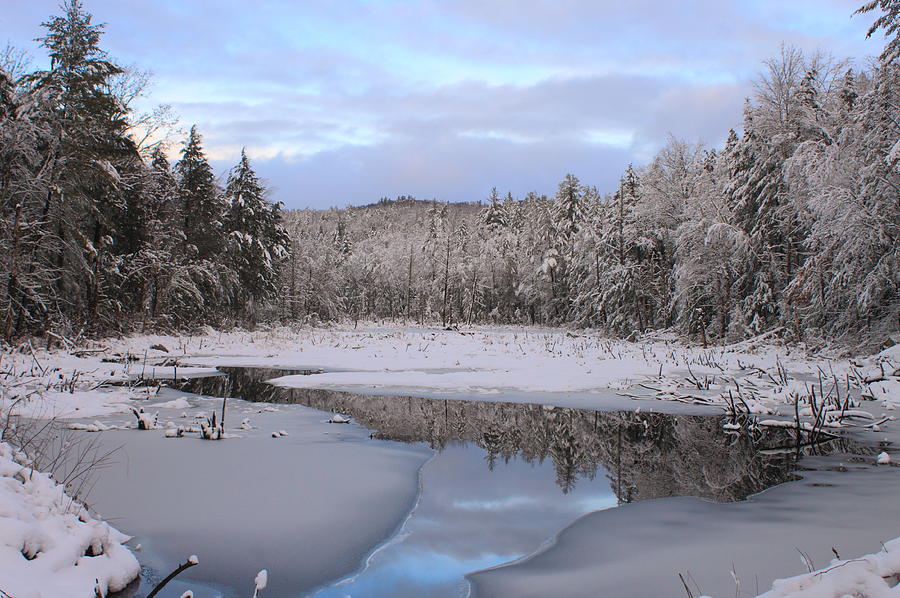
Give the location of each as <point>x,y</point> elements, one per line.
<point>346,102</point>
<point>442,168</point>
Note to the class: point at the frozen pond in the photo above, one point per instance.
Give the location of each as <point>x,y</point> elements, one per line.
<point>421,493</point>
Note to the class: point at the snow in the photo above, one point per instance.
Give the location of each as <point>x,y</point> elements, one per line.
<point>262,578</point>
<point>637,550</point>
<point>871,576</point>
<point>550,367</point>
<point>96,426</point>
<point>56,384</point>
<point>146,421</point>
<point>179,403</point>
<point>50,546</point>
<point>312,503</point>
<point>500,364</point>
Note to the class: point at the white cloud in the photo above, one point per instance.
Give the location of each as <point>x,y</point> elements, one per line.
<point>351,101</point>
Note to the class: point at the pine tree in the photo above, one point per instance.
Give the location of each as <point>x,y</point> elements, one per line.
<point>567,208</point>
<point>620,298</point>
<point>851,278</point>
<point>494,216</point>
<point>27,281</point>
<point>92,159</point>
<point>848,92</point>
<point>567,219</point>
<point>159,261</point>
<point>257,242</point>
<point>755,187</point>
<point>201,207</point>
<point>590,261</point>
<point>889,21</point>
<point>711,252</point>
<point>80,70</point>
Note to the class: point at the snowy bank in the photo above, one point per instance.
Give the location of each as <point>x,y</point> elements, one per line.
<point>871,576</point>
<point>491,364</point>
<point>50,546</point>
<point>59,384</point>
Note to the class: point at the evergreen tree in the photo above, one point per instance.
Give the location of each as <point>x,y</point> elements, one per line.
<point>567,218</point>
<point>494,215</point>
<point>620,297</point>
<point>27,285</point>
<point>158,263</point>
<point>90,164</point>
<point>850,279</point>
<point>889,22</point>
<point>755,186</point>
<point>848,92</point>
<point>257,242</point>
<point>711,252</point>
<point>567,208</point>
<point>202,209</point>
<point>80,71</point>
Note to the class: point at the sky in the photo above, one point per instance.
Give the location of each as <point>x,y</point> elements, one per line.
<point>342,102</point>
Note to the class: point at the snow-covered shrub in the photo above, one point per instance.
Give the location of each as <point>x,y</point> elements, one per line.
<point>145,421</point>
<point>49,544</point>
<point>211,429</point>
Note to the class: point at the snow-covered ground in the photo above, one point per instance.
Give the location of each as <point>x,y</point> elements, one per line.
<point>50,546</point>
<point>873,576</point>
<point>491,363</point>
<point>581,370</point>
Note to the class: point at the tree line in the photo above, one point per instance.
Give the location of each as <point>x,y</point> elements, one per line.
<point>99,232</point>
<point>793,225</point>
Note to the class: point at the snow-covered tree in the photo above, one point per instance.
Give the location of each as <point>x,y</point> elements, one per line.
<point>257,243</point>
<point>494,215</point>
<point>851,276</point>
<point>202,208</point>
<point>889,22</point>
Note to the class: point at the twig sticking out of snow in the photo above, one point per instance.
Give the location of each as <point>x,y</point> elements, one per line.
<point>175,432</point>
<point>262,580</point>
<point>145,421</point>
<point>190,562</point>
<point>212,429</point>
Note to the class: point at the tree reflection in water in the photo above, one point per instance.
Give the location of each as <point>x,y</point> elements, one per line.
<point>646,455</point>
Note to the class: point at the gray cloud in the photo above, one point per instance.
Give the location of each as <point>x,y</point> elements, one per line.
<point>442,168</point>
<point>345,102</point>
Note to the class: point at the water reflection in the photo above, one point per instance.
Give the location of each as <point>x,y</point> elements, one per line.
<point>468,519</point>
<point>644,455</point>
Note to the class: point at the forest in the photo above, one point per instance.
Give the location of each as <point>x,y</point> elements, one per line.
<point>100,233</point>
<point>792,226</point>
